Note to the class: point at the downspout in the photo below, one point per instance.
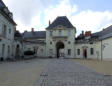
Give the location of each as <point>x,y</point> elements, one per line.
<point>101,51</point>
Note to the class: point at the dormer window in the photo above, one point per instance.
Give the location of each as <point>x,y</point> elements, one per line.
<point>51,33</point>
<point>11,15</point>
<point>6,10</point>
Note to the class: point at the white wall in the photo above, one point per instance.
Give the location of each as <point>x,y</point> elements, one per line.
<point>97,50</point>
<point>64,38</point>
<point>41,48</point>
<point>8,41</point>
<point>107,49</point>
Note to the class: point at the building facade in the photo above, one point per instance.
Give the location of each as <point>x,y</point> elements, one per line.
<point>60,38</point>
<point>7,30</point>
<point>58,41</point>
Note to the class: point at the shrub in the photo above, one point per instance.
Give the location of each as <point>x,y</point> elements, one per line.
<point>29,53</point>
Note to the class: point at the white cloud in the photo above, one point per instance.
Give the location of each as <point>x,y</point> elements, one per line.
<point>90,20</point>
<point>62,9</point>
<point>30,14</point>
<point>26,12</point>
<point>83,20</point>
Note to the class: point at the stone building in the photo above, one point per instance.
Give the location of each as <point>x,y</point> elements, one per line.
<point>18,45</point>
<point>35,41</point>
<point>7,30</point>
<point>60,36</point>
<point>95,45</point>
<point>58,41</point>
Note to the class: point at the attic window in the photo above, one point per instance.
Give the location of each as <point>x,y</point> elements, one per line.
<point>51,33</point>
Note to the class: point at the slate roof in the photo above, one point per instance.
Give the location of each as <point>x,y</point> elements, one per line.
<point>35,34</point>
<point>1,4</point>
<point>97,34</point>
<point>106,33</point>
<point>105,36</point>
<point>61,20</point>
<point>6,14</point>
<point>17,34</point>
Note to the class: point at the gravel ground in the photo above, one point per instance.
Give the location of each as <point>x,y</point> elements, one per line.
<point>50,72</point>
<point>62,72</point>
<point>103,67</point>
<point>21,73</point>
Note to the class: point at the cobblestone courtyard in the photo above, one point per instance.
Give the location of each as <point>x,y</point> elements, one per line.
<point>62,72</point>
<point>50,72</point>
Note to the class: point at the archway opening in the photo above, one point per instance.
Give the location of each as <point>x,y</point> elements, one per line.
<point>17,51</point>
<point>59,46</point>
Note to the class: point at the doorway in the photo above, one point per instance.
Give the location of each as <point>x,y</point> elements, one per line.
<point>59,46</point>
<point>85,53</point>
<point>17,52</point>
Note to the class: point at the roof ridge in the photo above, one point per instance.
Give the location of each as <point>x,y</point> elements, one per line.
<point>61,20</point>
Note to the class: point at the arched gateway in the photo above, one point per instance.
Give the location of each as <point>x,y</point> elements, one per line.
<point>59,46</point>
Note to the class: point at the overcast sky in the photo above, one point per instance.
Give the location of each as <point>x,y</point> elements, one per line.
<point>85,15</point>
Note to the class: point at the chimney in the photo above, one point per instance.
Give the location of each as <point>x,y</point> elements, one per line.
<point>49,22</point>
<point>103,29</point>
<point>88,33</point>
<point>82,32</point>
<point>32,29</point>
<point>15,28</point>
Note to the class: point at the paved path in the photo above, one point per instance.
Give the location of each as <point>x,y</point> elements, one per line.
<point>62,72</point>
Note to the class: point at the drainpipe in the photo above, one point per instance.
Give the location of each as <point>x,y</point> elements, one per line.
<point>101,51</point>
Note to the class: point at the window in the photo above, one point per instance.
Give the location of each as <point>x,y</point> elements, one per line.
<point>4,32</point>
<point>69,51</point>
<point>60,32</point>
<point>34,49</point>
<point>68,42</point>
<point>3,49</point>
<point>78,51</point>
<point>29,49</point>
<point>69,32</point>
<point>51,33</point>
<point>8,50</point>
<point>50,42</point>
<point>9,30</point>
<point>51,51</point>
<point>42,50</point>
<point>91,51</point>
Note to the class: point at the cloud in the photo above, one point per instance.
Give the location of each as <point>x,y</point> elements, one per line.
<point>24,10</point>
<point>91,20</point>
<point>27,11</point>
<point>64,8</point>
<point>83,20</point>
<point>37,13</point>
